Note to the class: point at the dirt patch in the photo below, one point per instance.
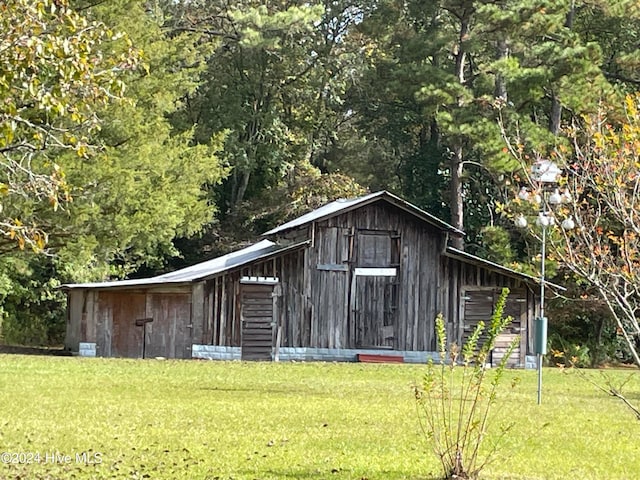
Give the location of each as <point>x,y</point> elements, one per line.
<point>20,350</point>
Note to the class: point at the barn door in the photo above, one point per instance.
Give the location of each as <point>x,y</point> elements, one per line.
<point>118,335</point>
<point>330,291</point>
<point>258,318</point>
<point>168,333</point>
<point>375,288</point>
<point>479,304</point>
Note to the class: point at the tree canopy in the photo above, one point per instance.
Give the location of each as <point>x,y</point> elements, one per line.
<point>137,136</point>
<point>57,69</point>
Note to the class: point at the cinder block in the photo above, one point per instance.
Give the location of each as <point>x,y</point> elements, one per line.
<point>86,349</point>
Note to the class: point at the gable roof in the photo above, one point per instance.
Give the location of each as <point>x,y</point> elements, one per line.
<point>345,205</point>
<point>199,271</point>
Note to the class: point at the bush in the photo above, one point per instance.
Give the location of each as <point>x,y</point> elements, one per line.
<point>32,308</point>
<point>583,333</point>
<point>456,396</point>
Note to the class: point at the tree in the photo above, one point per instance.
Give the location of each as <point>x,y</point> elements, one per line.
<point>274,84</point>
<point>147,183</point>
<point>441,74</point>
<point>602,163</point>
<point>141,187</point>
<point>58,68</point>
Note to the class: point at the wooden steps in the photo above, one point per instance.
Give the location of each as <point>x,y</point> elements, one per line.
<point>379,358</point>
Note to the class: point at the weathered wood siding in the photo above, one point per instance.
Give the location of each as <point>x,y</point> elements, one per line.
<point>80,318</point>
<point>108,319</point>
<point>345,310</point>
<point>117,333</point>
<point>323,303</point>
<point>221,320</point>
<point>169,334</point>
<point>478,304</point>
<point>467,279</point>
<point>375,276</point>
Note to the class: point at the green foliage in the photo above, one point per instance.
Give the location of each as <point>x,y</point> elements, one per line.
<point>145,186</point>
<point>263,86</point>
<point>133,195</point>
<point>601,187</point>
<point>496,245</point>
<point>582,331</point>
<point>57,70</point>
<point>31,306</point>
<point>454,408</point>
<point>304,188</point>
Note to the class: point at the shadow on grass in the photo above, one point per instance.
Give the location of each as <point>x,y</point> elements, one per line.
<point>337,473</point>
<point>20,350</point>
<point>247,389</point>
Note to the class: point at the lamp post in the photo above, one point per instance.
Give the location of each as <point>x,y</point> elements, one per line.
<point>545,174</point>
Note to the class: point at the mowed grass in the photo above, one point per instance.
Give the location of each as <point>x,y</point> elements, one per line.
<point>232,420</point>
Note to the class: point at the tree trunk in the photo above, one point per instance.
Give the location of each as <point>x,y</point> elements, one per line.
<point>555,117</point>
<point>461,55</point>
<point>501,84</point>
<point>457,207</point>
<point>239,184</point>
<point>457,159</point>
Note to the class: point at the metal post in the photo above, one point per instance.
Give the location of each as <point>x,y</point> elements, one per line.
<point>542,280</point>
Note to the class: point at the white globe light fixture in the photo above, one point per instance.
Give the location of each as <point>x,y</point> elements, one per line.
<point>568,224</point>
<point>555,198</point>
<point>545,171</point>
<point>521,222</point>
<point>524,194</point>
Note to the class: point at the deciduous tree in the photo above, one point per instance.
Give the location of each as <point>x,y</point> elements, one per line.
<point>57,69</point>
<point>602,167</point>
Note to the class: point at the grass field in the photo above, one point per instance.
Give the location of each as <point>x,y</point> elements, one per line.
<point>231,420</point>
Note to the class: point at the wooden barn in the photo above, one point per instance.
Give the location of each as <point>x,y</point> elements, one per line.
<point>364,276</point>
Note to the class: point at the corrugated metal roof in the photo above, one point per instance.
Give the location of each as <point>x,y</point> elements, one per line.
<point>467,257</point>
<point>199,271</point>
<point>344,205</point>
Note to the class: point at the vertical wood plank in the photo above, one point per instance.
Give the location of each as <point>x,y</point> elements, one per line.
<point>198,305</point>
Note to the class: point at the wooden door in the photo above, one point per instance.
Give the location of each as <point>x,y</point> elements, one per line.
<point>375,289</point>
<point>168,334</point>
<point>117,333</point>
<point>330,289</point>
<point>374,309</point>
<point>258,322</point>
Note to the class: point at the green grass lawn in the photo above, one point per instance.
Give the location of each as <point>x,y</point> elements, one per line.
<point>232,420</point>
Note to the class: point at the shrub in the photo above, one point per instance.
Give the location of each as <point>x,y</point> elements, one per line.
<point>456,396</point>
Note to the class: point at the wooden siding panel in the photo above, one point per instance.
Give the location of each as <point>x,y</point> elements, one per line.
<point>417,250</point>
<point>329,292</point>
<point>198,308</point>
<point>117,315</point>
<point>375,325</point>
<point>316,305</point>
<point>76,315</point>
